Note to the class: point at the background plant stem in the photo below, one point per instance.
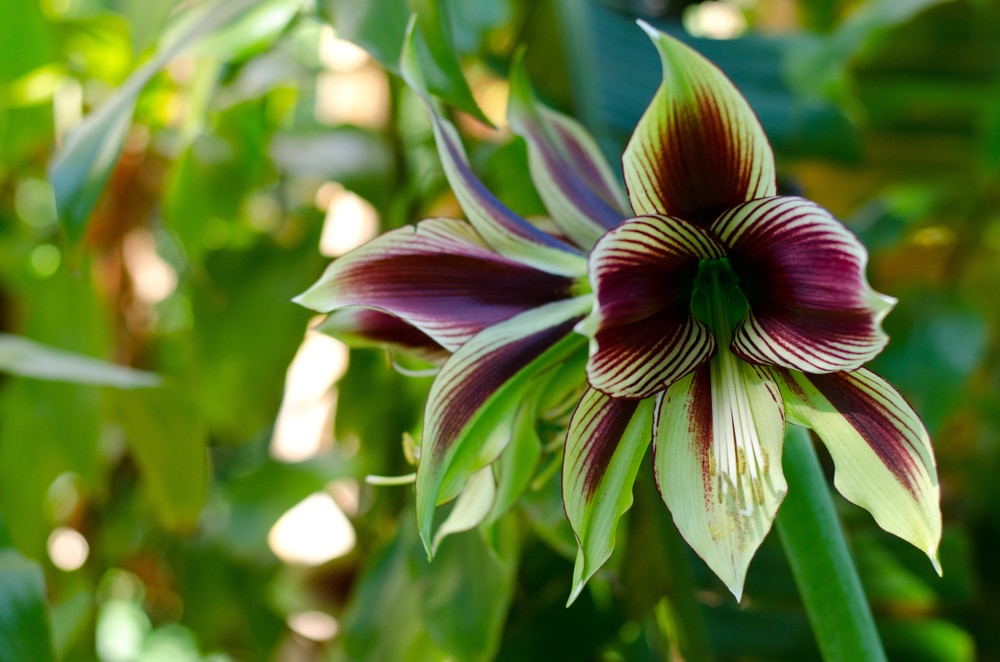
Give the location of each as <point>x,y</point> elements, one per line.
<point>821,563</point>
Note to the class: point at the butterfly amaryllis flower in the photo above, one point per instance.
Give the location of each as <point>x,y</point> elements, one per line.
<point>722,311</point>
<point>495,297</point>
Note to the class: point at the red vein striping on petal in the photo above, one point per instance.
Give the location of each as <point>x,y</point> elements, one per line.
<point>889,429</point>
<point>802,271</point>
<point>438,276</point>
<point>463,392</point>
<point>602,422</point>
<point>643,336</point>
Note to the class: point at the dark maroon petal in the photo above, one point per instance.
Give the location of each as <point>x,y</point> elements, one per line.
<point>364,327</point>
<point>803,274</point>
<point>643,336</point>
<point>438,276</point>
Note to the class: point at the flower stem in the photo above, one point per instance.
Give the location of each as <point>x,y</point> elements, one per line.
<point>821,563</point>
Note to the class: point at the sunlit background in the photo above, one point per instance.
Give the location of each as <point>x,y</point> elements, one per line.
<point>226,515</point>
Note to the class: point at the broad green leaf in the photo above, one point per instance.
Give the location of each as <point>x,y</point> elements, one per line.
<point>380,27</point>
<point>469,589</point>
<point>25,633</point>
<point>83,164</point>
<point>167,439</point>
<point>47,428</point>
<point>26,40</point>
<point>28,358</point>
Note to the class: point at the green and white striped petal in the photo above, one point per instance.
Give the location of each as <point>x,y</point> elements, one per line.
<point>717,444</point>
<point>579,189</point>
<point>698,149</point>
<point>472,404</point>
<point>506,232</point>
<point>643,335</point>
<point>882,452</point>
<point>605,444</point>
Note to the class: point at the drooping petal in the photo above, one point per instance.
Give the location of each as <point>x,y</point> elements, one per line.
<point>439,276</point>
<point>506,232</point>
<point>605,444</point>
<point>698,149</point>
<point>717,455</point>
<point>472,403</point>
<point>367,327</point>
<point>882,453</point>
<point>803,274</point>
<point>643,336</point>
<point>471,507</point>
<point>569,171</point>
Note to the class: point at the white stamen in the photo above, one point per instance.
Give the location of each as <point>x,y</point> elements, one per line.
<point>739,463</point>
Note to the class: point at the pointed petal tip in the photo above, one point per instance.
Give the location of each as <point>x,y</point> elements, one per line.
<point>932,554</point>
<point>647,28</point>
<point>577,590</point>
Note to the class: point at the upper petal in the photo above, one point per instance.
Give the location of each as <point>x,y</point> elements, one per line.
<point>803,274</point>
<point>439,276</point>
<point>698,149</point>
<point>506,232</point>
<point>570,173</point>
<point>472,404</point>
<point>605,444</point>
<point>717,455</point>
<point>882,453</point>
<point>643,336</point>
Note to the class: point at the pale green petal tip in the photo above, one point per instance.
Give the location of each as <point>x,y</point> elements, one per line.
<point>579,577</point>
<point>932,554</point>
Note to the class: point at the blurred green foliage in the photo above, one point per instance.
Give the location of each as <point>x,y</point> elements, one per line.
<point>201,139</point>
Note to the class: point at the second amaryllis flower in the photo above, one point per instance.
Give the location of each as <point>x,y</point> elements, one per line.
<point>722,310</point>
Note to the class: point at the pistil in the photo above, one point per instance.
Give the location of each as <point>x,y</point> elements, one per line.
<point>738,463</point>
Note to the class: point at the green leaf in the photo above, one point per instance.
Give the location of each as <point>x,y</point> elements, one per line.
<point>25,633</point>
<point>28,358</point>
<point>83,164</point>
<point>167,438</point>
<point>380,27</point>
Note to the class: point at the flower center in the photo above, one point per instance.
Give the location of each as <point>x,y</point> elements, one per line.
<point>738,461</point>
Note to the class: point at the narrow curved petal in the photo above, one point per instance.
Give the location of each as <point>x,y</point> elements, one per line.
<point>605,444</point>
<point>471,507</point>
<point>472,404</point>
<point>717,455</point>
<point>803,274</point>
<point>569,171</point>
<point>882,453</point>
<point>506,232</point>
<point>698,149</point>
<point>367,327</point>
<point>643,336</point>
<point>439,276</point>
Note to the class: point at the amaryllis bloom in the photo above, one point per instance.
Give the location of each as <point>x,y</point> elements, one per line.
<point>722,311</point>
<point>495,297</point>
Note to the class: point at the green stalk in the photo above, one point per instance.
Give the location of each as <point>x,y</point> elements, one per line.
<point>821,563</point>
